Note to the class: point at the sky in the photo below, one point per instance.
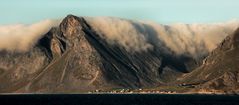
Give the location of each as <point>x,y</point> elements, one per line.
<point>161,11</point>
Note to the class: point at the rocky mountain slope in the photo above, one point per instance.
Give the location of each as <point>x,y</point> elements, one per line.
<point>74,58</point>
<point>220,70</point>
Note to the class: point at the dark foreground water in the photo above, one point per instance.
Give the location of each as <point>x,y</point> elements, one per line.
<point>118,99</point>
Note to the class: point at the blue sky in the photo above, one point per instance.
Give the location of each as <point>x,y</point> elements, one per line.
<point>161,11</point>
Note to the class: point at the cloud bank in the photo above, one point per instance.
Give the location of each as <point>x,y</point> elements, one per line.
<point>193,39</point>
<point>119,31</point>
<point>20,37</point>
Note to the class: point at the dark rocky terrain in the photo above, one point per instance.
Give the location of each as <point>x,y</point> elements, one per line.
<point>74,58</point>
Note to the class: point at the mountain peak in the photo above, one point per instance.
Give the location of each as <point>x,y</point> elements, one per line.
<point>71,16</point>
<point>71,26</point>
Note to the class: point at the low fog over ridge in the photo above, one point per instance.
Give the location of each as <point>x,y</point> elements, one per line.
<point>20,37</point>
<point>193,39</point>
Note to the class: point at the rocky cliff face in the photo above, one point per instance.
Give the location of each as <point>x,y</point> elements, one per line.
<point>74,58</point>
<point>220,69</point>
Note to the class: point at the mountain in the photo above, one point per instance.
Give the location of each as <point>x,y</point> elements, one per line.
<point>82,55</point>
<point>74,58</point>
<point>219,71</point>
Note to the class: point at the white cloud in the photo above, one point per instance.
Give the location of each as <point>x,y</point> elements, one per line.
<point>20,37</point>
<point>194,39</point>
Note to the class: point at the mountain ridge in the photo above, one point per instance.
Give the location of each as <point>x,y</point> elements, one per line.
<point>74,57</point>
<point>219,70</point>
